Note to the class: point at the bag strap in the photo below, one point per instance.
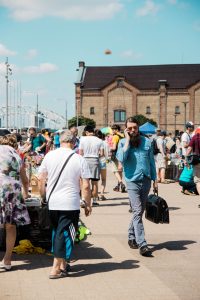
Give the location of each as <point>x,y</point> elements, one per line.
<point>67,160</point>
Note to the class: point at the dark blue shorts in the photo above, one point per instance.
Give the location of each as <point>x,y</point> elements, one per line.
<point>65,225</point>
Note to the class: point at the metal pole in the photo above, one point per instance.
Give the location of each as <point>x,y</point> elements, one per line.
<point>7,65</point>
<point>38,123</point>
<point>66,116</point>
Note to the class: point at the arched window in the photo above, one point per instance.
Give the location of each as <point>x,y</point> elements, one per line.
<point>148,110</point>
<point>92,110</point>
<point>177,110</point>
<point>119,115</point>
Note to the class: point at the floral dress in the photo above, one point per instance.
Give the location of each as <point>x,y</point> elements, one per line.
<point>12,206</point>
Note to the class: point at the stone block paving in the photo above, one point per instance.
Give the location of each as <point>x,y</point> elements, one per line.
<point>104,267</point>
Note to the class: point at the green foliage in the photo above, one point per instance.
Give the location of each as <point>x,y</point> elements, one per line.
<point>81,121</point>
<point>142,119</point>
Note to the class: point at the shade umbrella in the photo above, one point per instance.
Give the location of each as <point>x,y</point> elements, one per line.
<point>106,130</point>
<point>147,128</point>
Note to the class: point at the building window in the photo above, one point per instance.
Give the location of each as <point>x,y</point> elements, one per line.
<point>119,116</point>
<point>148,110</point>
<point>92,110</point>
<point>177,110</point>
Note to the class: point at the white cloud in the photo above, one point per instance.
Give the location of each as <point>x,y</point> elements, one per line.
<point>42,68</point>
<point>23,10</point>
<point>6,52</point>
<point>31,53</point>
<point>131,54</point>
<point>149,8</point>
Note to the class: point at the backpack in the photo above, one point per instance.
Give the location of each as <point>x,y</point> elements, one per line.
<point>155,147</point>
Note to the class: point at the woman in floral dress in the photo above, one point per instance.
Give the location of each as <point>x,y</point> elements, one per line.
<point>13,210</point>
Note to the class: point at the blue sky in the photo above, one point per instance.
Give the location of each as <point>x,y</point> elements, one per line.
<point>45,39</point>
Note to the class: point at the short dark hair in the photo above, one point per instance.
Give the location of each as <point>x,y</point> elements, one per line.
<point>131,120</point>
<point>89,128</point>
<point>32,128</point>
<point>116,127</point>
<point>71,126</point>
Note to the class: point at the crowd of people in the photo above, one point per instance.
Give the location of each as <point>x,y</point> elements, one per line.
<point>72,172</point>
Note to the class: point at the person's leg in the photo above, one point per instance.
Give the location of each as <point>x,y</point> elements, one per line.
<point>138,193</point>
<point>136,229</point>
<point>162,174</point>
<point>94,189</point>
<point>10,243</point>
<point>103,181</point>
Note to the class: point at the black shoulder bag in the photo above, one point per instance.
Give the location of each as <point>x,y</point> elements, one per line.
<point>44,222</point>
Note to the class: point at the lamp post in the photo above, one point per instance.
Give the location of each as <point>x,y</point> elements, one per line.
<point>175,116</point>
<point>185,104</point>
<point>66,111</point>
<point>8,73</point>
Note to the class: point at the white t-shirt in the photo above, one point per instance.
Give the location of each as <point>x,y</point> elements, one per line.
<point>91,145</point>
<point>185,138</point>
<point>66,193</point>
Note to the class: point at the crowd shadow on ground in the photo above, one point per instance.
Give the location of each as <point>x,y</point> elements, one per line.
<point>80,270</point>
<point>172,245</point>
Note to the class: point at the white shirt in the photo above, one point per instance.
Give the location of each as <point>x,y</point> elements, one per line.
<point>185,139</point>
<point>66,193</point>
<point>91,145</point>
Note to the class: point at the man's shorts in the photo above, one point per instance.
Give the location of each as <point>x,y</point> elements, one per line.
<point>94,167</point>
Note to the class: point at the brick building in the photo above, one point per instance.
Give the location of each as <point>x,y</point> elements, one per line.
<point>169,94</point>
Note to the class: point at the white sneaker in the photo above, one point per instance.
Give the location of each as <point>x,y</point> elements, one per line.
<point>5,267</point>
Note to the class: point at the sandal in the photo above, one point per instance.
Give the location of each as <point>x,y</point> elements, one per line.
<point>102,198</point>
<point>164,182</point>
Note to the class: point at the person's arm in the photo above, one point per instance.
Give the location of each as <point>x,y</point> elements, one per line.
<point>43,146</point>
<point>42,184</point>
<point>153,169</point>
<point>185,140</point>
<point>123,149</point>
<point>101,151</point>
<point>86,194</point>
<point>81,152</point>
<point>24,180</point>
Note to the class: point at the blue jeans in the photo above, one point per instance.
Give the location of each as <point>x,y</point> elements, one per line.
<point>138,192</point>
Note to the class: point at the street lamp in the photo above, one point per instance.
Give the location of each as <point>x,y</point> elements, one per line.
<point>66,112</point>
<point>185,103</point>
<point>8,73</point>
<point>175,116</point>
<point>37,123</point>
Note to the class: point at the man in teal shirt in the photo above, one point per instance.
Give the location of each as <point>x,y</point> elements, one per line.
<point>136,155</point>
<point>38,142</point>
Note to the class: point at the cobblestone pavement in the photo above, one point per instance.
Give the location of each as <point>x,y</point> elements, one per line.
<point>104,267</point>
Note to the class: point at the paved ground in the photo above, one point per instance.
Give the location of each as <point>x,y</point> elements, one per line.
<point>106,268</point>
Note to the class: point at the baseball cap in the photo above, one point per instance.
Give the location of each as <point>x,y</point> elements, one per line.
<point>197,130</point>
<point>189,124</point>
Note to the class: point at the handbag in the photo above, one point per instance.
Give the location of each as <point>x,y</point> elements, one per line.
<point>193,159</point>
<point>44,221</point>
<point>156,209</point>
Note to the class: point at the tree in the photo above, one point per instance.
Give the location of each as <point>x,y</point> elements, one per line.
<point>142,119</point>
<point>81,121</point>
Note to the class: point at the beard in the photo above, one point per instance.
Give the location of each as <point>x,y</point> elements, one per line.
<point>135,140</point>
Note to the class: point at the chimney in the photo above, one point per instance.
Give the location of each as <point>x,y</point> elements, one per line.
<point>81,64</point>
